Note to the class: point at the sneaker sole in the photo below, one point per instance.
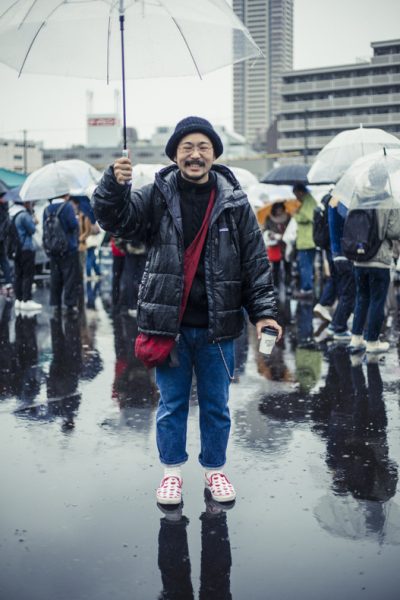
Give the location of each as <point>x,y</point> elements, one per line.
<point>168,502</point>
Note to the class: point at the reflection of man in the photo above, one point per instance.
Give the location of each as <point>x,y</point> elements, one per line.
<point>304,241</point>
<point>174,560</point>
<point>65,367</point>
<point>232,273</point>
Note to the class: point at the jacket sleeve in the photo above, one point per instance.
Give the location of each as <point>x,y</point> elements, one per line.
<point>124,212</point>
<point>258,294</point>
<point>28,224</point>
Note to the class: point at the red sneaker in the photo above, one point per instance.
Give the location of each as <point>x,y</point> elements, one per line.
<point>170,490</point>
<point>220,487</point>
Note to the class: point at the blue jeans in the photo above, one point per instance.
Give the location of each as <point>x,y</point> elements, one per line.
<point>194,352</point>
<point>91,262</point>
<point>346,295</point>
<point>372,284</point>
<point>329,291</point>
<point>306,268</point>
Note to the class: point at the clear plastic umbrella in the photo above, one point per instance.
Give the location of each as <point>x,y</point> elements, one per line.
<point>244,177</point>
<point>86,38</point>
<point>346,147</point>
<point>354,519</point>
<point>143,173</point>
<point>58,178</point>
<point>372,181</point>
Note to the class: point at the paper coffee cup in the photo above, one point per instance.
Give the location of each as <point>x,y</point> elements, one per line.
<point>267,342</point>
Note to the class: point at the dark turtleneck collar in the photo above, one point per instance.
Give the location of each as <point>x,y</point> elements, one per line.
<point>198,188</point>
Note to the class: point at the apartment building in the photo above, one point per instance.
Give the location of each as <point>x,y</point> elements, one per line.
<point>319,103</point>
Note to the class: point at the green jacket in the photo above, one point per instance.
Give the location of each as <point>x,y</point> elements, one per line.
<point>304,220</point>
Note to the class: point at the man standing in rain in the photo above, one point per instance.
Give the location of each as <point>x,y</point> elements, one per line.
<point>233,273</point>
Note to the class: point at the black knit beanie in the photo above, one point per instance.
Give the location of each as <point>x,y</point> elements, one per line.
<point>193,125</point>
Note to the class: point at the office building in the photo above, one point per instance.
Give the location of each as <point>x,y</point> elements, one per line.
<point>319,103</point>
<point>21,156</point>
<point>256,86</point>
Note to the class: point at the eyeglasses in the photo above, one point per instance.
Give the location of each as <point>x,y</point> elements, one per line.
<point>202,148</point>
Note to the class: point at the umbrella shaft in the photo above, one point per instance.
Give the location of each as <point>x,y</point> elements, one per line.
<point>121,26</point>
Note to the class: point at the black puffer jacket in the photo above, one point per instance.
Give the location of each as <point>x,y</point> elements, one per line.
<point>236,266</point>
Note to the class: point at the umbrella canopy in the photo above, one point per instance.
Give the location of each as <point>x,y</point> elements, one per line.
<point>337,156</point>
<point>263,195</point>
<point>3,188</point>
<point>359,519</point>
<point>244,177</point>
<point>143,173</point>
<point>372,181</point>
<point>59,178</point>
<point>13,194</point>
<point>287,174</point>
<point>81,38</point>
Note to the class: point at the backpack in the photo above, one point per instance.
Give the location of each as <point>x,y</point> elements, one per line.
<point>4,222</point>
<point>360,241</point>
<point>320,224</point>
<point>55,239</point>
<point>13,242</point>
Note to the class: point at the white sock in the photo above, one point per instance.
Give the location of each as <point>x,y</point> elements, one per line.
<point>210,472</point>
<point>173,471</point>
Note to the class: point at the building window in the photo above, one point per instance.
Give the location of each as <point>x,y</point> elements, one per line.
<point>18,157</point>
<point>95,155</point>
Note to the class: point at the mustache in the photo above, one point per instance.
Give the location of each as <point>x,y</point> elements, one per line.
<point>195,161</point>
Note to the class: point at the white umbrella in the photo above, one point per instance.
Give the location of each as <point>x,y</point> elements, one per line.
<point>85,38</point>
<point>59,178</point>
<point>263,194</point>
<point>350,518</point>
<point>372,181</point>
<point>245,178</point>
<point>346,147</point>
<point>143,173</point>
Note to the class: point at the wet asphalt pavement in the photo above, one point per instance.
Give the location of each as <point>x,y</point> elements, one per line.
<point>314,455</point>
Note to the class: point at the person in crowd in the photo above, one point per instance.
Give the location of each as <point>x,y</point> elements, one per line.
<point>346,289</point>
<point>118,258</point>
<point>4,226</point>
<point>232,272</point>
<point>25,221</point>
<point>64,268</point>
<point>274,228</point>
<point>304,242</point>
<point>373,276</point>
<point>85,229</point>
<point>92,244</point>
<point>325,305</point>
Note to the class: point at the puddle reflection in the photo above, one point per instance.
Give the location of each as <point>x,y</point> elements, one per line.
<point>215,562</point>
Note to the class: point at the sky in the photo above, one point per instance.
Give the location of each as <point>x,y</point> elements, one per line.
<point>53,109</point>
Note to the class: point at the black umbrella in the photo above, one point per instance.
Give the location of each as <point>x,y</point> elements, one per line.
<point>287,174</point>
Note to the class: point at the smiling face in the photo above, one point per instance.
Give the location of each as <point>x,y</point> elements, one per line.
<point>195,157</point>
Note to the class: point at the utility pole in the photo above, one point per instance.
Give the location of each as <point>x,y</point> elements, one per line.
<point>306,136</point>
<point>25,152</point>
